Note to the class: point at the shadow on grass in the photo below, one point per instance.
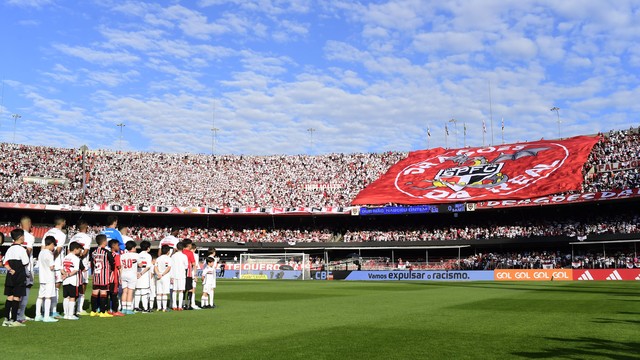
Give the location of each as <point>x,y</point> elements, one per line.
<point>335,342</point>
<point>628,313</point>
<point>275,296</point>
<point>586,347</point>
<point>539,286</point>
<point>616,321</point>
<point>384,286</point>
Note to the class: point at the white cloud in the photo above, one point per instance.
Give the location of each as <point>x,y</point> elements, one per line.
<point>133,8</point>
<point>197,25</point>
<point>372,31</point>
<point>55,109</point>
<point>96,56</point>
<point>112,78</point>
<point>449,42</point>
<point>29,22</point>
<point>516,48</point>
<point>29,3</point>
<point>577,62</point>
<point>61,74</point>
<point>335,50</point>
<point>551,47</point>
<point>290,30</point>
<point>401,15</point>
<point>276,7</point>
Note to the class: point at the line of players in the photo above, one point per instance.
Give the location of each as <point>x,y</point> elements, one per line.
<point>125,281</point>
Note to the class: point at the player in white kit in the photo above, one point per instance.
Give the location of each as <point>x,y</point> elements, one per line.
<point>58,254</point>
<point>47,279</point>
<point>84,239</point>
<point>143,284</point>
<point>124,232</point>
<point>152,284</point>
<point>129,266</point>
<point>179,265</point>
<point>171,241</point>
<point>209,282</point>
<point>162,271</point>
<point>71,270</point>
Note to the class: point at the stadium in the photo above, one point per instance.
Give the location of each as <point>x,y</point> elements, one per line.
<point>299,179</point>
<point>329,225</point>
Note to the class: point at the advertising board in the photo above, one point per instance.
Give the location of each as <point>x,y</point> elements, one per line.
<point>606,274</point>
<point>430,275</point>
<point>533,275</point>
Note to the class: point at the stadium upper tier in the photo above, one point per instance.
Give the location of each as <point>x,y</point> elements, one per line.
<point>48,175</point>
<point>134,178</point>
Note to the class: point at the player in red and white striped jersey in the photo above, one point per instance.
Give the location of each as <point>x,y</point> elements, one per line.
<point>114,287</point>
<point>102,263</point>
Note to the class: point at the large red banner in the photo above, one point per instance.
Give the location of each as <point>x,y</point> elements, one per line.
<point>512,171</point>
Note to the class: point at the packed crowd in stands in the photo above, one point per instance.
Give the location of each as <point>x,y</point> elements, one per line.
<point>245,235</point>
<point>200,180</point>
<point>508,260</point>
<point>620,225</point>
<point>551,260</point>
<point>135,178</point>
<point>20,161</point>
<point>621,147</point>
<point>229,181</point>
<point>526,260</point>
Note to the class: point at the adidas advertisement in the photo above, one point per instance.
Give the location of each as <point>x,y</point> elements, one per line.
<point>607,275</point>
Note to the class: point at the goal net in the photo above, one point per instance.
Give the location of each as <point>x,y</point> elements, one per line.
<point>274,266</point>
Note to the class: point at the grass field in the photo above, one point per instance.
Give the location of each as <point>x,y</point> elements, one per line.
<point>360,320</point>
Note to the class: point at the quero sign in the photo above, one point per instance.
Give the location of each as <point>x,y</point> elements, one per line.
<point>533,275</point>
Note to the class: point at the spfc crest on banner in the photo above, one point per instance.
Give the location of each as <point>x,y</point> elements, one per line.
<point>470,174</point>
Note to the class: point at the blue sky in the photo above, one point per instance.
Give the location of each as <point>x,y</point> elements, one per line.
<point>367,76</point>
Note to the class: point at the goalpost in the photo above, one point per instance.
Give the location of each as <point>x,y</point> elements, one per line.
<point>274,266</point>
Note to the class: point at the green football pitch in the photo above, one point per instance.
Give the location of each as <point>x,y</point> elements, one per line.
<point>359,320</point>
